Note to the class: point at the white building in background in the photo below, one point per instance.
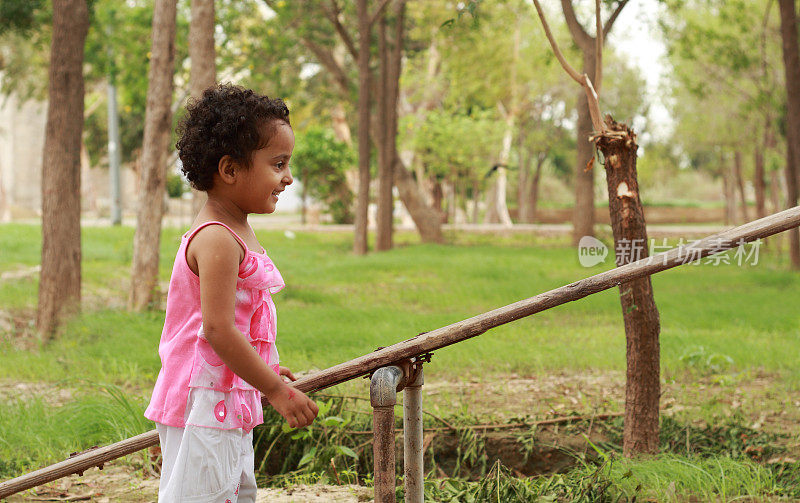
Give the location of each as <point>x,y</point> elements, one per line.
<point>21,146</point>
<point>22,132</point>
<point>22,128</point>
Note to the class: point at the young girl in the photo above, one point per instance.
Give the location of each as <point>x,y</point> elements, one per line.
<point>217,349</point>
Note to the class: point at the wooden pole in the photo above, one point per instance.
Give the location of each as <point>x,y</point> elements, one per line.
<point>477,325</point>
<point>451,334</point>
<point>79,463</point>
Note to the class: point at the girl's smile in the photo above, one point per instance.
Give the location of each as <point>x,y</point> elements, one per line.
<point>270,172</point>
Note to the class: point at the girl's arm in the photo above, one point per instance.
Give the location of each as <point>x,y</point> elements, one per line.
<point>217,255</point>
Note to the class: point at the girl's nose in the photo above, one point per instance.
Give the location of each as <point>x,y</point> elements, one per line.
<point>288,179</point>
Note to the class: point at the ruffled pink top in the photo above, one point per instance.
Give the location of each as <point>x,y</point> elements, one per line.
<point>194,386</point>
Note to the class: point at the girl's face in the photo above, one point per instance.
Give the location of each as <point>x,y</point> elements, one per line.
<point>269,174</point>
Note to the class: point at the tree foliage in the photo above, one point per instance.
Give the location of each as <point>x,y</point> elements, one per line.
<point>726,61</point>
<point>320,162</point>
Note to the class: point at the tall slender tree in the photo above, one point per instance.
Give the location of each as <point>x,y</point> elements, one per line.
<point>496,206</point>
<point>60,277</point>
<point>320,39</point>
<point>791,64</point>
<point>618,144</point>
<point>390,52</point>
<point>583,216</point>
<point>158,118</point>
<point>364,87</point>
<point>202,56</point>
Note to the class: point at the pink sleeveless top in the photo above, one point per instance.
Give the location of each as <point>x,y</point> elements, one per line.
<point>194,386</point>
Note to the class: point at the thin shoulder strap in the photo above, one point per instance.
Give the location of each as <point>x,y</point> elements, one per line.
<point>215,222</point>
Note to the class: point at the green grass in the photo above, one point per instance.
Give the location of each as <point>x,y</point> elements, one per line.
<point>727,319</point>
<point>33,431</point>
<point>338,306</point>
<point>668,479</point>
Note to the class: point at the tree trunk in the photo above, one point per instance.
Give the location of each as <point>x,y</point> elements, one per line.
<point>88,198</point>
<point>791,64</point>
<point>449,189</point>
<point>428,220</point>
<point>496,207</point>
<point>475,199</point>
<point>5,210</point>
<point>737,171</point>
<point>380,132</point>
<point>158,119</point>
<point>341,129</point>
<point>523,175</point>
<point>758,181</point>
<point>533,194</point>
<point>413,193</point>
<point>791,201</point>
<point>583,216</point>
<point>775,197</point>
<point>410,192</point>
<point>438,194</point>
<point>639,309</point>
<point>775,191</point>
<point>60,276</point>
<point>303,197</point>
<point>362,205</point>
<point>202,55</point>
<point>390,68</point>
<point>728,191</point>
<point>496,204</point>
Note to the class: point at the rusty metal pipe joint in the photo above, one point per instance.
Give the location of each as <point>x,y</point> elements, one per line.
<point>384,385</point>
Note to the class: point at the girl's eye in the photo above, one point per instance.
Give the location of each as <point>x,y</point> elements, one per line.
<point>280,164</point>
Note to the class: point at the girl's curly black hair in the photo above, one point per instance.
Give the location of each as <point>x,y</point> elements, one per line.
<point>226,120</point>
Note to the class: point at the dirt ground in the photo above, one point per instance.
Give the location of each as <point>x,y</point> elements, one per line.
<point>119,483</point>
<point>764,400</point>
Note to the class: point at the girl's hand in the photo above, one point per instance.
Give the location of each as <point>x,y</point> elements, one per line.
<point>298,410</point>
<point>288,373</point>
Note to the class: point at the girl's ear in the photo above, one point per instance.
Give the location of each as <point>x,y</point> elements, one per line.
<point>227,169</point>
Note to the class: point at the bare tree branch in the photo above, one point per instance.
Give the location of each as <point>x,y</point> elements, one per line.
<point>327,60</point>
<point>598,45</point>
<point>613,17</point>
<point>583,39</point>
<point>333,16</point>
<point>584,80</point>
<point>378,12</point>
<point>567,68</point>
<point>293,23</point>
<point>594,105</point>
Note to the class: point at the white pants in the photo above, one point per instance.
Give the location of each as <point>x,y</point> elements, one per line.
<point>206,465</point>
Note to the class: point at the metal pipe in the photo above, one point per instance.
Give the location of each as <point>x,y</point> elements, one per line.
<point>114,154</point>
<point>412,447</point>
<point>383,397</point>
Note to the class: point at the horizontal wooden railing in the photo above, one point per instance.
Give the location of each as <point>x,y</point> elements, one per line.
<point>451,334</point>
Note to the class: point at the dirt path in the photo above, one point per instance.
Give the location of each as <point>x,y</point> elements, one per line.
<point>759,397</point>
<point>119,482</point>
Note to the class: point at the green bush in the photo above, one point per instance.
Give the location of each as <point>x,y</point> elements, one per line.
<point>320,164</point>
<point>175,185</point>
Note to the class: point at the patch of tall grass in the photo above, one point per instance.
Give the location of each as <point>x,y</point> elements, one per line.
<point>666,479</point>
<point>34,432</point>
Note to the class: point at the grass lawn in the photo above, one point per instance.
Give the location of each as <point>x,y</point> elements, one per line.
<point>718,323</point>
